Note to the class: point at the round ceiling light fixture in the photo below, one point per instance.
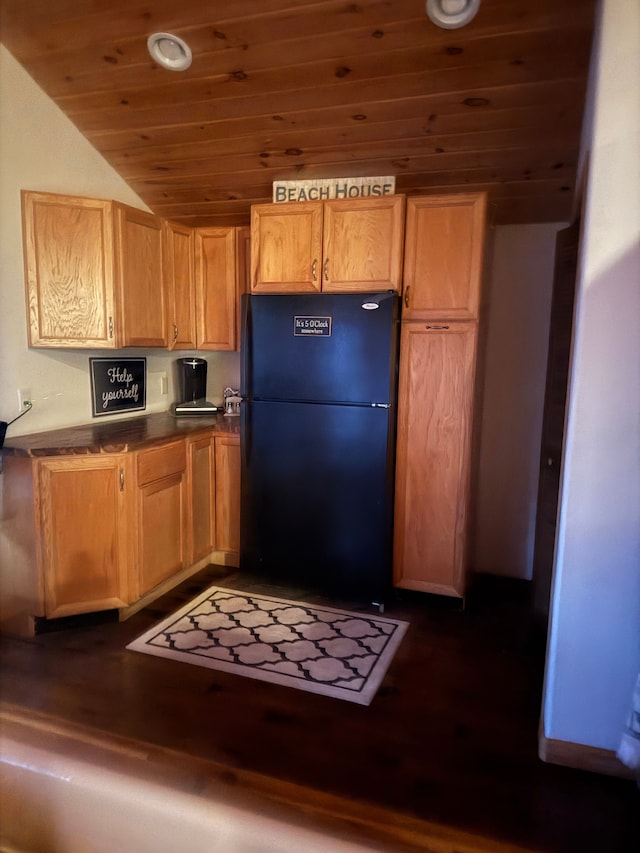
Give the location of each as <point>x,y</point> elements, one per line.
<point>169,51</point>
<point>452,14</point>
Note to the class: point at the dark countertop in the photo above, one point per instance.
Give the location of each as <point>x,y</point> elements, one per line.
<point>118,436</point>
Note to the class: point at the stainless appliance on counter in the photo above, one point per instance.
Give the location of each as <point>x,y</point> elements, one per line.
<point>317,425</point>
<point>191,382</point>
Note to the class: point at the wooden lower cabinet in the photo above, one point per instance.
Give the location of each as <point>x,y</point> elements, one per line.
<point>84,534</point>
<point>201,461</point>
<point>227,516</point>
<point>161,514</point>
<point>88,532</point>
<point>214,497</point>
<point>436,393</point>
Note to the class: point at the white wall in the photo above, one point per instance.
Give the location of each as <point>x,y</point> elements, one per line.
<point>515,361</point>
<point>594,641</point>
<point>40,149</point>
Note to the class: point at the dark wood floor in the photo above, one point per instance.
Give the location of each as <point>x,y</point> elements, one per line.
<point>451,736</point>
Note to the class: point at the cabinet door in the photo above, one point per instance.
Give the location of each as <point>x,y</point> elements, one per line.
<point>180,290</point>
<point>201,459</point>
<point>83,518</point>
<point>228,493</point>
<point>243,272</point>
<point>286,247</point>
<point>140,282</point>
<point>217,290</point>
<point>68,250</point>
<point>161,514</point>
<point>363,244</point>
<point>444,242</point>
<point>435,401</point>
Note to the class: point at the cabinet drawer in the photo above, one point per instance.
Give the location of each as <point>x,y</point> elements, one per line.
<point>161,462</point>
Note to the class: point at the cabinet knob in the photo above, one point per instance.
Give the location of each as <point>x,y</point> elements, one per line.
<point>110,327</point>
<point>314,270</point>
<point>326,270</point>
<point>436,328</point>
<point>406,296</point>
<point>175,333</point>
<point>122,479</point>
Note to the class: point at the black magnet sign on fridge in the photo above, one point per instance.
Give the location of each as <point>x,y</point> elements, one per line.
<point>305,326</point>
<point>118,385</point>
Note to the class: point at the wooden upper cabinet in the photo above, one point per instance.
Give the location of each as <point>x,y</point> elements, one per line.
<point>93,273</point>
<point>341,245</point>
<point>243,272</point>
<point>216,288</point>
<point>179,278</point>
<point>139,273</point>
<point>443,258</point>
<point>68,250</point>
<point>206,271</point>
<point>362,245</point>
<point>286,247</point>
<point>100,274</point>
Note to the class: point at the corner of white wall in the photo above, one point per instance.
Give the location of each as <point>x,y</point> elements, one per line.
<point>593,651</point>
<point>515,360</point>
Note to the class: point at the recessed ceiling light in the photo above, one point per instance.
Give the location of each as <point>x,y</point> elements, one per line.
<point>169,51</point>
<point>451,14</point>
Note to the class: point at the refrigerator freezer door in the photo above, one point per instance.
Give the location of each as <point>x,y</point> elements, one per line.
<point>330,348</point>
<point>317,496</point>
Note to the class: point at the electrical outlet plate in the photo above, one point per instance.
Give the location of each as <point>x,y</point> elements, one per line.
<point>24,397</point>
<point>158,382</point>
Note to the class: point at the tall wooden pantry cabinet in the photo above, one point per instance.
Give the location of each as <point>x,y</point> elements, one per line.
<point>444,242</point>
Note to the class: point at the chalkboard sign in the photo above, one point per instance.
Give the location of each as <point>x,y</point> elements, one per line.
<point>118,385</point>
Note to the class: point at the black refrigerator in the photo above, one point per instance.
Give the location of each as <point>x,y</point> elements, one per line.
<point>319,384</point>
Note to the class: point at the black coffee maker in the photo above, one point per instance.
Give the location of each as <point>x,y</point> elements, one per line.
<point>191,383</point>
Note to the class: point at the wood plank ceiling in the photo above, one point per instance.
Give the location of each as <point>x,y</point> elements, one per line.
<point>288,89</point>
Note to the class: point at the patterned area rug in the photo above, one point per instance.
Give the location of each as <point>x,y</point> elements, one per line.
<point>319,649</point>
